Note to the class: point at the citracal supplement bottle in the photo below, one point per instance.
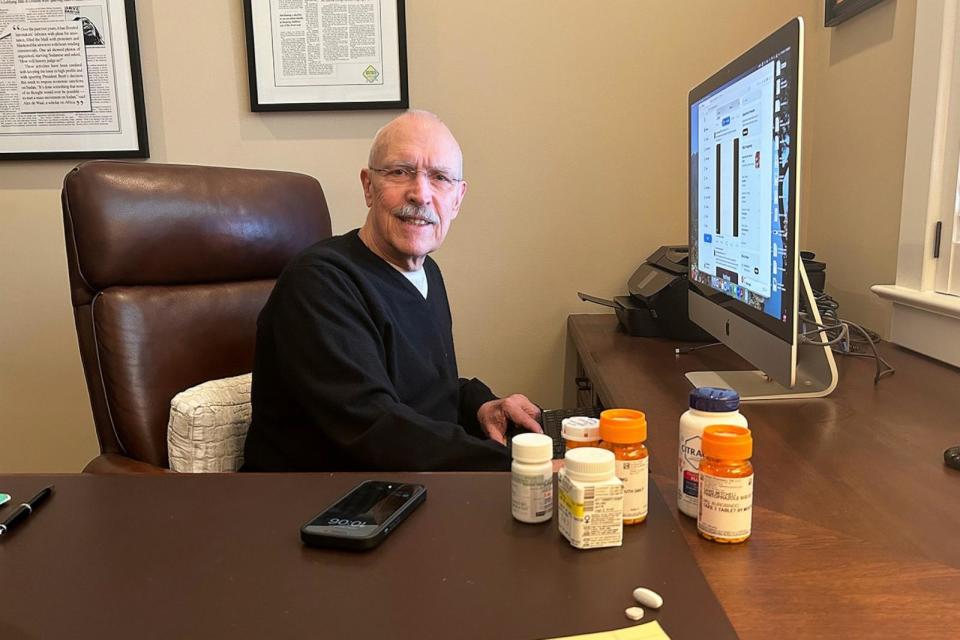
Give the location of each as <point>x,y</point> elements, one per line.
<point>708,406</point>
<point>590,503</point>
<point>531,481</point>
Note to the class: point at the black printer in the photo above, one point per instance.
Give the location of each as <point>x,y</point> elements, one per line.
<point>657,304</point>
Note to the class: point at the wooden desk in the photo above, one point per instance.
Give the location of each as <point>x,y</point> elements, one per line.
<point>856,523</point>
<point>219,556</point>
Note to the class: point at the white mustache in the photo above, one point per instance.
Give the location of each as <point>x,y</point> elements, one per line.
<point>413,212</point>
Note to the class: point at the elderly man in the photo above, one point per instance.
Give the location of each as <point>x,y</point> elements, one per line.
<point>355,366</point>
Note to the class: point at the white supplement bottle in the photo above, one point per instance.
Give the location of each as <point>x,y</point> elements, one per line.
<point>708,406</point>
<point>532,479</point>
<point>590,504</point>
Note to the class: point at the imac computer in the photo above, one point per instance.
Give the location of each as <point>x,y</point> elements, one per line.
<point>746,277</point>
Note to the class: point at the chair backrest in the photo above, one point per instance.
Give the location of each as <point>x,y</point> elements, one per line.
<point>169,267</point>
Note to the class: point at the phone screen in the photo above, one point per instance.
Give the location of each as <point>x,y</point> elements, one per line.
<point>361,511</point>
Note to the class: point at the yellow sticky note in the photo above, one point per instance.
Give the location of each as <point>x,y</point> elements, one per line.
<point>648,631</point>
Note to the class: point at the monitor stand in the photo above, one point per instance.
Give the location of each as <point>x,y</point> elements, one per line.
<point>816,368</point>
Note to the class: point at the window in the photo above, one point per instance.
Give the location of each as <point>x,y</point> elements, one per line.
<point>926,318</point>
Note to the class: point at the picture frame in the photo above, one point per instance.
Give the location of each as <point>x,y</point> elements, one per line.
<point>338,56</point>
<point>76,80</point>
<point>837,11</point>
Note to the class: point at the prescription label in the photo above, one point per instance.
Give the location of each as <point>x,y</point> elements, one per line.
<point>634,474</point>
<point>532,496</point>
<point>726,506</point>
<point>591,514</point>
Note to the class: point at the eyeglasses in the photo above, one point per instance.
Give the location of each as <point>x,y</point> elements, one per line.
<point>405,175</point>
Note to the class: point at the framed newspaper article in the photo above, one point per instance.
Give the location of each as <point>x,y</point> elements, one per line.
<point>306,55</point>
<point>70,82</point>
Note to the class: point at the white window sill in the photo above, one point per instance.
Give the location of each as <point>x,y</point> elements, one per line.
<point>924,321</point>
<point>941,303</point>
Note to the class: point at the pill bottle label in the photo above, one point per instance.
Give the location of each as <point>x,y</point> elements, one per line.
<point>532,497</point>
<point>591,515</point>
<point>690,457</point>
<point>726,506</point>
<point>634,474</point>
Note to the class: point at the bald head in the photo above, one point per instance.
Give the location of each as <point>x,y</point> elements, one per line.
<point>418,123</point>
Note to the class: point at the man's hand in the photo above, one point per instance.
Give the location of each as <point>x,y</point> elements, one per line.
<point>494,416</point>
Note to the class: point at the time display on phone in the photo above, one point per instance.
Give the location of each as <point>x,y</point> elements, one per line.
<point>345,522</point>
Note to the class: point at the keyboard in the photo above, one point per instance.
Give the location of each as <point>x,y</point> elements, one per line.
<point>552,420</point>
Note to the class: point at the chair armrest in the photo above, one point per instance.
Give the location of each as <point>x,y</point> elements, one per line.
<point>116,463</point>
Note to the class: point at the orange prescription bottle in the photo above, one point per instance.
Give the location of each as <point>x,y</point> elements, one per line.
<point>726,484</point>
<point>623,431</point>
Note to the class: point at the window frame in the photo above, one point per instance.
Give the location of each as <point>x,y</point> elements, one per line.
<point>923,319</point>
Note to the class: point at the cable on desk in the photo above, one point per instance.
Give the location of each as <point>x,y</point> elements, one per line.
<point>843,343</point>
<point>682,350</point>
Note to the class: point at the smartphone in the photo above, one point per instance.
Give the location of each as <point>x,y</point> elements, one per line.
<point>362,518</point>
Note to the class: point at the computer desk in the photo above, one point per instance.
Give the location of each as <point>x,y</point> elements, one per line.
<point>855,534</point>
<point>214,556</point>
<point>856,520</point>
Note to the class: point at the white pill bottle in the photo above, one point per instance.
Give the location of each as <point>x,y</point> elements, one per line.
<point>531,480</point>
<point>590,501</point>
<point>708,406</point>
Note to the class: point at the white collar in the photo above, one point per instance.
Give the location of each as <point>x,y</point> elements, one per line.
<point>417,278</point>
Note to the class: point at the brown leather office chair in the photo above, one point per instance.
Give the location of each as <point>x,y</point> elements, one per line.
<point>169,267</point>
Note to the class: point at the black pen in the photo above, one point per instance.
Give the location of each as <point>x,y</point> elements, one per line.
<point>24,510</point>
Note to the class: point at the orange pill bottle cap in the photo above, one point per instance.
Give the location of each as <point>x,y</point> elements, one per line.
<point>623,426</point>
<point>727,442</point>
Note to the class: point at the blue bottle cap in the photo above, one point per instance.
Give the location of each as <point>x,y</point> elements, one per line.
<point>714,399</point>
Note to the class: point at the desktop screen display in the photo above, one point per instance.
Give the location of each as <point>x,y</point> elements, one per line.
<point>745,280</point>
<point>740,146</point>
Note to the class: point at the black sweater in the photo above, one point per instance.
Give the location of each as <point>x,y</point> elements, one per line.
<point>354,370</point>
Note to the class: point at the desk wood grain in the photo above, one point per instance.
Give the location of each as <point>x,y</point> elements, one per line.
<point>856,519</point>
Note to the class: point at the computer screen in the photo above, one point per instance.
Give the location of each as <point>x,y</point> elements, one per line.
<point>744,212</point>
<point>741,144</point>
<point>741,221</point>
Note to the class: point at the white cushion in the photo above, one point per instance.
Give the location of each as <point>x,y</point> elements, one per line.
<point>208,425</point>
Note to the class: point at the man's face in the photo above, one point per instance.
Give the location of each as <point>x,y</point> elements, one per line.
<point>410,215</point>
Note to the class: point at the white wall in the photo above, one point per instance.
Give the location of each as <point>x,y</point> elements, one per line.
<point>572,118</point>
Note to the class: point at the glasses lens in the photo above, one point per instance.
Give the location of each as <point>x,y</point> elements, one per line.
<point>439,180</point>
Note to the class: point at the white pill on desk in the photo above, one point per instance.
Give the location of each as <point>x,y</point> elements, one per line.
<point>647,598</point>
<point>634,613</point>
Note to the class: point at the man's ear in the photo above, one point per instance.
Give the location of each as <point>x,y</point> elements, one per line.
<point>461,191</point>
<point>367,183</point>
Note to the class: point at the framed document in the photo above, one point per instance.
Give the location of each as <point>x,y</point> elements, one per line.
<point>306,55</point>
<point>70,82</point>
<point>836,11</point>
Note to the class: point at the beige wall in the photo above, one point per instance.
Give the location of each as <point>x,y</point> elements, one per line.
<point>574,129</point>
<point>856,139</point>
